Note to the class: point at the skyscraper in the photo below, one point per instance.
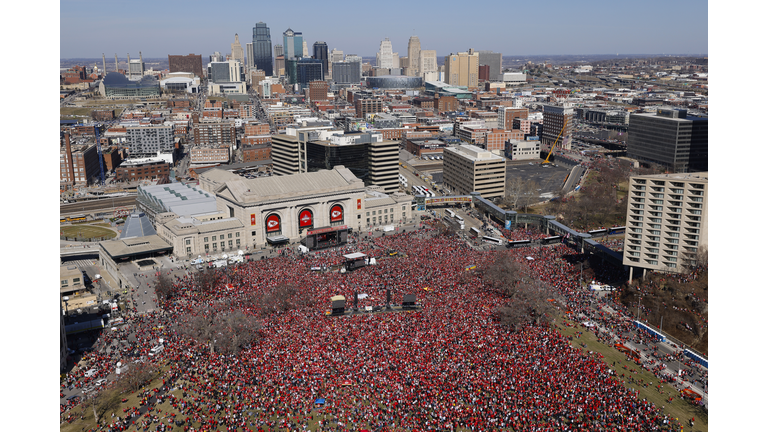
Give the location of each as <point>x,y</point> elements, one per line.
<point>249,52</point>
<point>293,44</point>
<point>304,49</point>
<point>262,48</point>
<point>414,61</point>
<point>493,60</point>
<point>279,50</point>
<point>428,65</point>
<point>384,56</point>
<point>320,52</point>
<point>462,69</point>
<point>669,138</point>
<point>337,55</point>
<point>237,50</point>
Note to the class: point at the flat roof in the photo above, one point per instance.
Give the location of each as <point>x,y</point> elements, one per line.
<point>135,246</point>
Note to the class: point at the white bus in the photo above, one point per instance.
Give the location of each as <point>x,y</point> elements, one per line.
<point>450,213</point>
<point>492,240</point>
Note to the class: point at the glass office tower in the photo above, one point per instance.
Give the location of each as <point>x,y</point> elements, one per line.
<point>262,48</point>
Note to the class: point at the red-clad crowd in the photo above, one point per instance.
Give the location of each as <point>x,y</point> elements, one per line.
<point>448,366</point>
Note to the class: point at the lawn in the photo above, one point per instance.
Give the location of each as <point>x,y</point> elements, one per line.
<point>86,231</point>
<point>678,408</point>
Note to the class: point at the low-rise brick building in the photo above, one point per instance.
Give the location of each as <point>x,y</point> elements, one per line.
<point>142,169</point>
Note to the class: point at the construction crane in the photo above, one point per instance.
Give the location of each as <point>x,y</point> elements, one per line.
<point>565,124</point>
<point>96,131</point>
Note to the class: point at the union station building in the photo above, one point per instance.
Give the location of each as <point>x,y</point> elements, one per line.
<point>319,209</point>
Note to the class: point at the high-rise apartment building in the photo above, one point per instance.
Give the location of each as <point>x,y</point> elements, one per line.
<point>262,48</point>
<point>555,117</point>
<point>147,141</point>
<point>214,131</point>
<point>384,55</point>
<point>237,50</point>
<point>414,60</point>
<point>667,218</point>
<point>320,52</point>
<point>462,69</point>
<point>493,61</point>
<point>468,168</point>
<point>293,44</point>
<point>192,63</point>
<point>669,138</point>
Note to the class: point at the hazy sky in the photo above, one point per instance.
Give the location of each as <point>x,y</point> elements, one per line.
<point>157,28</point>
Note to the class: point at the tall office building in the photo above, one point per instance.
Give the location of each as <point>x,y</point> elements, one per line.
<point>384,55</point>
<point>320,52</point>
<point>262,48</point>
<point>555,117</point>
<point>368,155</point>
<point>249,53</point>
<point>669,138</point>
<point>293,44</point>
<point>304,49</point>
<point>347,72</point>
<point>215,57</point>
<point>302,71</point>
<point>462,69</point>
<point>279,51</point>
<point>493,61</point>
<point>667,219</point>
<point>225,72</point>
<point>414,62</point>
<point>428,65</point>
<point>468,168</point>
<point>337,56</point>
<point>237,50</point>
<point>135,67</point>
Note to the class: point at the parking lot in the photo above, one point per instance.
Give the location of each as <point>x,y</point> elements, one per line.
<point>550,177</point>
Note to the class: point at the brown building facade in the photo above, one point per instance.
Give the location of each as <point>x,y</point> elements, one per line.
<point>211,131</point>
<point>257,152</point>
<point>142,170</point>
<point>318,91</point>
<point>192,63</point>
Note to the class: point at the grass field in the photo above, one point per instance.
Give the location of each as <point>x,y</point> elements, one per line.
<point>87,231</point>
<point>678,408</point>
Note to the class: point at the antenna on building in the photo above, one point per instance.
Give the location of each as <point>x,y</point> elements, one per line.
<point>141,59</point>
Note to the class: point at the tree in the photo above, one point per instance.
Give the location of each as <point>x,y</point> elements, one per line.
<point>528,299</point>
<point>205,281</point>
<point>530,194</point>
<point>163,287</point>
<point>514,191</point>
<point>223,331</point>
<point>136,376</point>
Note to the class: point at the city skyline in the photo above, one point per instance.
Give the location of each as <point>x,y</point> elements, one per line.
<point>522,30</point>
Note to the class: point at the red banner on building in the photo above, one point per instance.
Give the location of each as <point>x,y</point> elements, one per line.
<point>305,219</point>
<point>253,219</point>
<point>273,223</point>
<point>359,203</point>
<point>337,213</point>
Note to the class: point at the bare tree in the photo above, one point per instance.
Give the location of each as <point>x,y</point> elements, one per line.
<point>530,194</point>
<point>514,191</point>
<point>163,287</point>
<point>503,274</point>
<point>222,331</point>
<point>136,376</point>
<point>205,281</point>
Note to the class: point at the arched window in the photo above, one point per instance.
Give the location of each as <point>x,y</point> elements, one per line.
<point>306,219</point>
<point>337,215</point>
<point>272,225</point>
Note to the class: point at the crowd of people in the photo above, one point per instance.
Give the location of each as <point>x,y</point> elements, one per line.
<point>447,366</point>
